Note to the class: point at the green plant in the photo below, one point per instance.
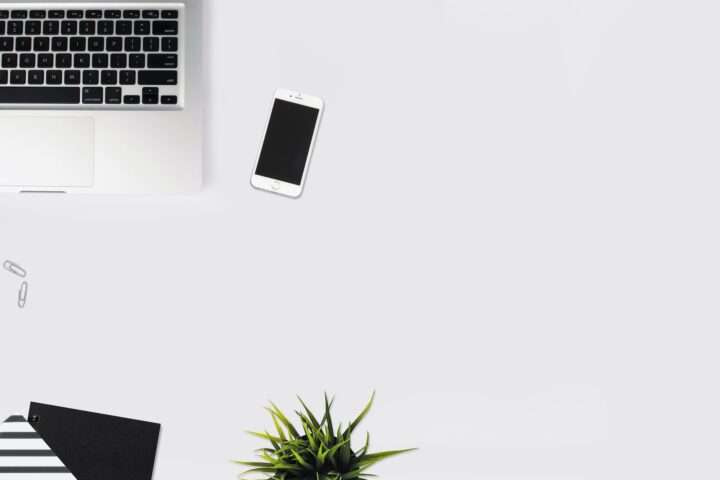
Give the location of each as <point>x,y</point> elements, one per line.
<point>316,451</point>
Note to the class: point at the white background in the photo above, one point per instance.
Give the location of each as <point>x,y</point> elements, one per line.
<point>509,230</point>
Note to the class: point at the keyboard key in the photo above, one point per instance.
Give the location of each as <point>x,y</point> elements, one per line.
<point>45,60</point>
<point>137,60</point>
<point>100,60</point>
<point>169,44</point>
<point>27,60</point>
<point>81,60</point>
<point>165,28</point>
<point>127,77</point>
<point>94,14</point>
<point>39,95</point>
<point>123,27</point>
<point>113,14</point>
<point>10,60</point>
<point>142,27</point>
<point>41,44</point>
<point>7,44</point>
<point>18,77</point>
<point>78,44</point>
<point>157,77</point>
<point>118,60</point>
<point>15,28</point>
<point>170,14</point>
<point>19,14</point>
<point>91,77</point>
<point>54,77</point>
<point>109,77</point>
<point>87,27</point>
<point>150,95</point>
<point>63,60</point>
<point>56,14</point>
<point>4,14</point>
<point>165,60</point>
<point>51,27</point>
<point>23,44</point>
<point>93,95</point>
<point>75,14</point>
<point>131,99</point>
<point>132,44</point>
<point>33,28</point>
<point>131,14</point>
<point>113,95</point>
<point>72,77</point>
<point>151,44</point>
<point>114,44</point>
<point>38,13</point>
<point>59,44</point>
<point>151,14</point>
<point>96,44</point>
<point>2,28</point>
<point>36,77</point>
<point>69,27</point>
<point>169,100</point>
<point>4,77</point>
<point>106,28</point>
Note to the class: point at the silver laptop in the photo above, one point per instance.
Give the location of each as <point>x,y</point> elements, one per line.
<point>101,96</point>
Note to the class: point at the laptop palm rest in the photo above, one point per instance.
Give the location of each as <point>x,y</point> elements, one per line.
<point>52,152</point>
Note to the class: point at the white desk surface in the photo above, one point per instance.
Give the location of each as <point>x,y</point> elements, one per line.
<point>510,231</point>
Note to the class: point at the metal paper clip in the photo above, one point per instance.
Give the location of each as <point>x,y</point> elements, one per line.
<point>22,295</point>
<point>14,268</point>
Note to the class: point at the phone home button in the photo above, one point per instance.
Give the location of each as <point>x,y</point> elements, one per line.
<point>276,186</point>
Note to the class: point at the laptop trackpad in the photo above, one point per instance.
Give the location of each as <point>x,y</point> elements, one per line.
<point>47,151</point>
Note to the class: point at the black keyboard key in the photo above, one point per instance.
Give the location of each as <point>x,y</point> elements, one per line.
<point>151,44</point>
<point>113,14</point>
<point>114,44</point>
<point>151,14</point>
<point>87,27</point>
<point>81,60</point>
<point>100,60</point>
<point>91,77</point>
<point>27,60</point>
<point>33,27</point>
<point>137,60</point>
<point>54,77</point>
<point>94,14</point>
<point>38,13</point>
<point>170,14</point>
<point>133,44</point>
<point>39,95</point>
<point>59,44</point>
<point>18,77</point>
<point>131,14</point>
<point>142,27</point>
<point>36,77</point>
<point>123,27</point>
<point>4,77</point>
<point>113,95</point>
<point>96,44</point>
<point>19,14</point>
<point>15,28</point>
<point>165,28</point>
<point>45,60</point>
<point>7,44</point>
<point>10,60</point>
<point>78,44</point>
<point>105,28</point>
<point>93,95</point>
<point>23,44</point>
<point>157,77</point>
<point>109,77</point>
<point>165,60</point>
<point>132,99</point>
<point>150,95</point>
<point>63,60</point>
<point>169,100</point>
<point>51,27</point>
<point>127,77</point>
<point>118,60</point>
<point>56,14</point>
<point>4,14</point>
<point>41,44</point>
<point>169,44</point>
<point>2,28</point>
<point>69,27</point>
<point>75,14</point>
<point>72,77</point>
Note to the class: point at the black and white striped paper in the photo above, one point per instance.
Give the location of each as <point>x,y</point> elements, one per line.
<point>25,456</point>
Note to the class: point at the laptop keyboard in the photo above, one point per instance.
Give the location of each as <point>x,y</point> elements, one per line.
<point>110,57</point>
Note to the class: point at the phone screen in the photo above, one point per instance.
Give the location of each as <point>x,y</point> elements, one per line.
<point>287,142</point>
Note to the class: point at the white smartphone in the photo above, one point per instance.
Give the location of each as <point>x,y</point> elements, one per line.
<point>290,134</point>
